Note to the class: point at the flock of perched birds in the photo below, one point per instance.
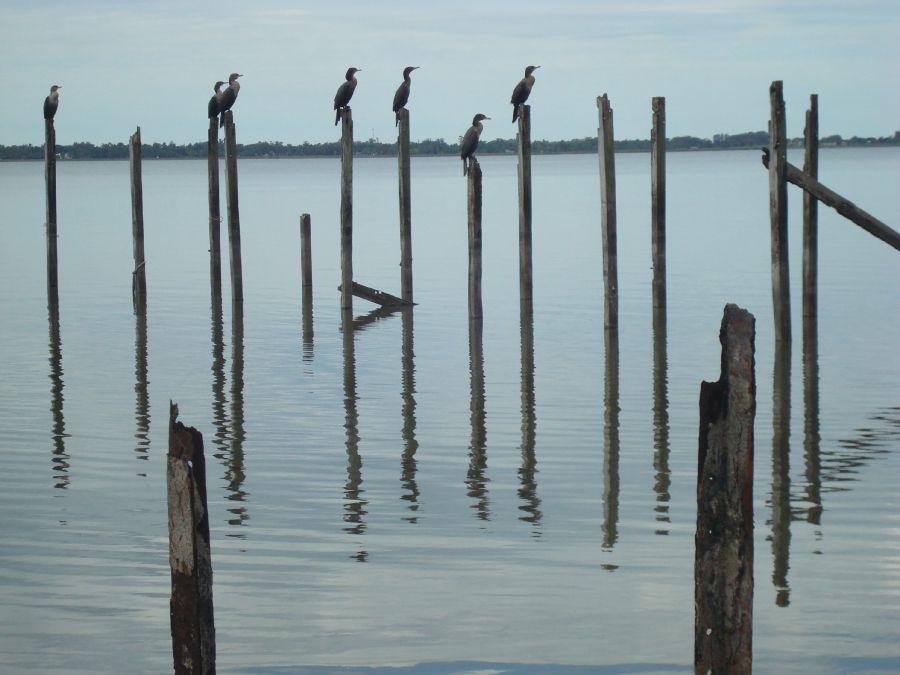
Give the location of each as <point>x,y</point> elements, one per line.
<point>223,100</point>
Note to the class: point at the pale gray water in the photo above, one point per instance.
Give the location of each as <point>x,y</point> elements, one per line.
<point>374,505</point>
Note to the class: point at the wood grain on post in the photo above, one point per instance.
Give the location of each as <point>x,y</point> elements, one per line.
<point>608,212</point>
<point>810,211</point>
<point>234,216</point>
<point>723,563</point>
<point>139,277</point>
<point>658,201</point>
<point>474,217</point>
<point>191,603</point>
<point>406,275</point>
<point>778,213</point>
<point>50,180</point>
<point>305,251</point>
<point>346,209</point>
<point>523,139</point>
<point>215,216</point>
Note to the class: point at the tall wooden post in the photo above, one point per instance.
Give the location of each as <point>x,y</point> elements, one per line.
<point>723,562</point>
<point>139,277</point>
<point>191,603</point>
<point>50,179</point>
<point>474,217</point>
<point>778,214</point>
<point>811,211</point>
<point>523,139</point>
<point>234,216</point>
<point>608,212</point>
<point>215,217</point>
<point>658,202</point>
<point>346,209</point>
<point>406,275</point>
<point>305,251</point>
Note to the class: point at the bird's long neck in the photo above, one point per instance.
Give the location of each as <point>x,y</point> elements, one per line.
<point>407,80</point>
<point>235,85</point>
<point>478,127</point>
<point>54,96</point>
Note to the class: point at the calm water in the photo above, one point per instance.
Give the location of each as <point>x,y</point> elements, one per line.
<point>417,497</point>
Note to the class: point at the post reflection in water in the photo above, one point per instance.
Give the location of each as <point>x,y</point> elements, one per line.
<point>142,399</point>
<point>811,420</point>
<point>307,310</point>
<point>611,439</point>
<point>234,464</point>
<point>219,401</point>
<point>476,482</point>
<point>531,503</point>
<point>781,466</point>
<point>663,475</point>
<point>354,504</point>
<point>60,459</point>
<point>408,412</point>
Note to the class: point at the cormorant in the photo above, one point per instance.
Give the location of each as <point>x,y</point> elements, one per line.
<point>344,93</point>
<point>522,90</point>
<point>401,96</point>
<point>51,103</point>
<point>215,102</point>
<point>470,141</point>
<point>229,96</point>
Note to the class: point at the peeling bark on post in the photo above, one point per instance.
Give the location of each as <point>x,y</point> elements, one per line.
<point>723,563</point>
<point>138,277</point>
<point>406,275</point>
<point>346,209</point>
<point>191,604</point>
<point>608,212</point>
<point>524,171</point>
<point>474,216</point>
<point>234,216</point>
<point>778,213</point>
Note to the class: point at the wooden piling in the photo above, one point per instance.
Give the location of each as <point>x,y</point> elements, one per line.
<point>608,212</point>
<point>346,209</point>
<point>305,251</point>
<point>810,211</point>
<point>234,217</point>
<point>138,276</point>
<point>474,217</point>
<point>658,201</point>
<point>723,563</point>
<point>215,216</point>
<point>778,213</point>
<point>191,604</point>
<point>50,180</point>
<point>523,139</point>
<point>406,276</point>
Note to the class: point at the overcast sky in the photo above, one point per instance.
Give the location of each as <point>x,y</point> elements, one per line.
<point>124,63</point>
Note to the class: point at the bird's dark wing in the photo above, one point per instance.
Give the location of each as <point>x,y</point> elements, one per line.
<point>401,96</point>
<point>520,93</point>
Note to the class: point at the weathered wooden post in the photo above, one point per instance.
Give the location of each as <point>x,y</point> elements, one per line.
<point>215,217</point>
<point>811,212</point>
<point>234,216</point>
<point>778,214</point>
<point>658,202</point>
<point>723,562</point>
<point>608,212</point>
<point>138,277</point>
<point>406,275</point>
<point>191,603</point>
<point>50,180</point>
<point>305,252</point>
<point>611,444</point>
<point>523,139</point>
<point>474,217</point>
<point>346,209</point>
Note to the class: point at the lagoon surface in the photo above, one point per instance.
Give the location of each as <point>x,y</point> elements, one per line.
<point>398,498</point>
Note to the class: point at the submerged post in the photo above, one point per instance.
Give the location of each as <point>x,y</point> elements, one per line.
<point>474,217</point>
<point>346,209</point>
<point>781,297</point>
<point>50,179</point>
<point>191,604</point>
<point>523,139</point>
<point>811,211</point>
<point>723,562</point>
<point>406,276</point>
<point>234,216</point>
<point>138,276</point>
<point>608,212</point>
<point>215,217</point>
<point>658,202</point>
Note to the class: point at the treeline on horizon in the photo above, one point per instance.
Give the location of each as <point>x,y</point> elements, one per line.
<point>426,148</point>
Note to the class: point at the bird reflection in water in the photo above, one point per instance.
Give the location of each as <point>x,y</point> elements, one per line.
<point>354,503</point>
<point>141,382</point>
<point>662,477</point>
<point>60,460</point>
<point>531,503</point>
<point>476,482</point>
<point>611,439</point>
<point>408,413</point>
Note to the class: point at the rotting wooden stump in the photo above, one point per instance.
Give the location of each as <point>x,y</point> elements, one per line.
<point>191,604</point>
<point>723,563</point>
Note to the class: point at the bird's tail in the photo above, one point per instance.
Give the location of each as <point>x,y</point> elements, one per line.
<point>465,167</point>
<point>221,120</point>
<point>515,113</point>
<point>337,116</point>
<point>397,118</point>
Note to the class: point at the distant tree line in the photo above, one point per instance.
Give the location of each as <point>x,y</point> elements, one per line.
<point>429,147</point>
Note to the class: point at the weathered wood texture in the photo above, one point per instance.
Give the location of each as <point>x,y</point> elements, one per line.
<point>376,296</point>
<point>50,181</point>
<point>138,276</point>
<point>778,213</point>
<point>346,209</point>
<point>191,603</point>
<point>215,216</point>
<point>406,275</point>
<point>474,217</point>
<point>306,251</point>
<point>723,563</point>
<point>523,139</point>
<point>810,211</point>
<point>608,212</point>
<point>234,216</point>
<point>658,201</point>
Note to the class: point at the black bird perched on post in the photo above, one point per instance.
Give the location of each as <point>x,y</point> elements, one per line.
<point>522,90</point>
<point>470,140</point>
<point>215,103</point>
<point>51,103</point>
<point>345,93</point>
<point>229,96</point>
<point>401,96</point>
